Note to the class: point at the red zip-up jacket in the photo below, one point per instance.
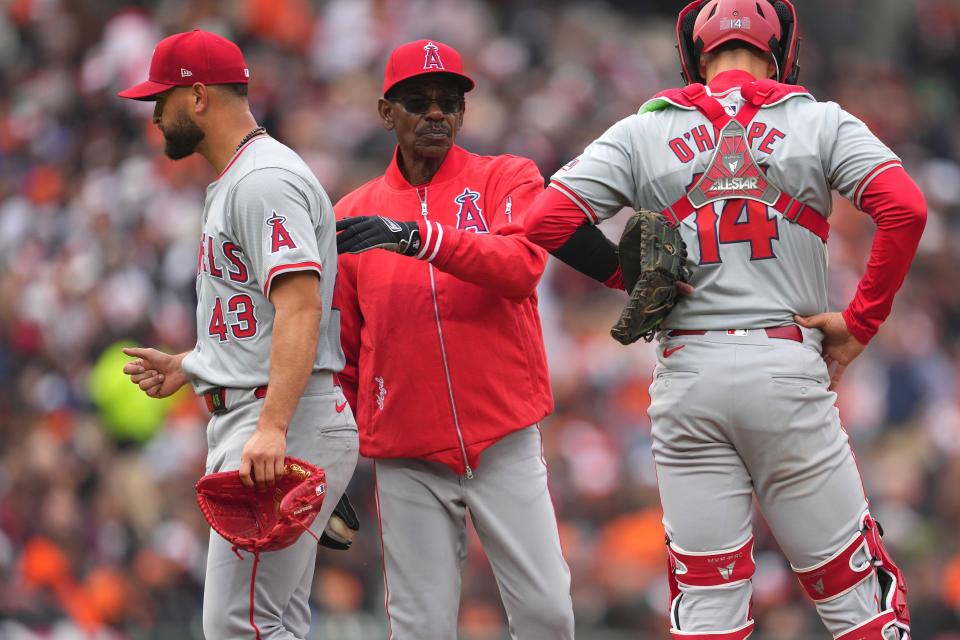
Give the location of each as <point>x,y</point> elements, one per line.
<point>444,350</point>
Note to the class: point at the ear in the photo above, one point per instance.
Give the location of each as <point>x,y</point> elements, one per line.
<point>385,110</point>
<point>463,109</point>
<point>200,95</point>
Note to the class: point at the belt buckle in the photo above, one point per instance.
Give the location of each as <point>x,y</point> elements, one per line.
<point>216,400</point>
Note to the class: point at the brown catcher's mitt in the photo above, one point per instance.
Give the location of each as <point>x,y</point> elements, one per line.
<point>263,520</point>
<point>652,257</point>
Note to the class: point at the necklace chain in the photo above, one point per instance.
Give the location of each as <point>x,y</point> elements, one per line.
<point>253,134</point>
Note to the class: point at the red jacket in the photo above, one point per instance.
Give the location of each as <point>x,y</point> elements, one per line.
<point>445,352</point>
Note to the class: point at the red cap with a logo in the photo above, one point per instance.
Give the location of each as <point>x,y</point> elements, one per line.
<point>193,56</point>
<point>420,58</point>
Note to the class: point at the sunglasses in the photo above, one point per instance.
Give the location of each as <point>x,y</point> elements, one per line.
<point>418,104</point>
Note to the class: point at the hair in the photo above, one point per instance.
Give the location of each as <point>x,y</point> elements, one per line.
<point>731,45</point>
<point>237,89</point>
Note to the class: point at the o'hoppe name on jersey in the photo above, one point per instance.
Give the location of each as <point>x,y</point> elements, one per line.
<point>701,139</point>
<point>734,184</point>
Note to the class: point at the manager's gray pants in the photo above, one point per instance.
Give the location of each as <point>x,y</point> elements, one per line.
<point>423,508</point>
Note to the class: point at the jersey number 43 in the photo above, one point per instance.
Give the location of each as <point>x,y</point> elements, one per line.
<point>246,320</point>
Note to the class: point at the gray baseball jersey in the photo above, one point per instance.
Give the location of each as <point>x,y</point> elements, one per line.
<point>751,267</point>
<point>265,214</point>
<point>739,402</point>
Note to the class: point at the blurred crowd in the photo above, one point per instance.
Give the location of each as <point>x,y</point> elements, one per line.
<point>99,533</point>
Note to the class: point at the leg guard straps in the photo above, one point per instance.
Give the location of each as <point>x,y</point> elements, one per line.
<point>893,586</point>
<point>710,568</point>
<point>863,556</point>
<point>872,629</point>
<point>716,569</point>
<point>736,634</point>
<point>837,574</point>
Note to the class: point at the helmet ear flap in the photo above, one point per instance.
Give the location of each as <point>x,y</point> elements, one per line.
<point>688,49</point>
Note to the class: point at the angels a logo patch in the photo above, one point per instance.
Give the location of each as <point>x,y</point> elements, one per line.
<point>280,238</point>
<point>470,215</point>
<point>431,58</point>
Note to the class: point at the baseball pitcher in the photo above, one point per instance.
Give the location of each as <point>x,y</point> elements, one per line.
<point>267,340</point>
<point>743,161</point>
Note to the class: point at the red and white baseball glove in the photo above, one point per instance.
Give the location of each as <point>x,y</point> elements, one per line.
<point>263,520</point>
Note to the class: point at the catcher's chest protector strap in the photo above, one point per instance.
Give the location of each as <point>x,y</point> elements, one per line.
<point>733,172</point>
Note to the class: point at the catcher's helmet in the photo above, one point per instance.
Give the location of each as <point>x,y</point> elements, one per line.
<point>769,25</point>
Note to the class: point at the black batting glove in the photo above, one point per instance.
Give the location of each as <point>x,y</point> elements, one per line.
<point>362,233</point>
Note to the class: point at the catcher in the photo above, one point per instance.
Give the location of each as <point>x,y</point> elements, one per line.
<point>741,163</point>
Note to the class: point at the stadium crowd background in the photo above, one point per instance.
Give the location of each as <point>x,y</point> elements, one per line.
<point>99,533</point>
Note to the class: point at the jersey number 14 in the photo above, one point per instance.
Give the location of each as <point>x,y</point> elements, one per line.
<point>741,220</point>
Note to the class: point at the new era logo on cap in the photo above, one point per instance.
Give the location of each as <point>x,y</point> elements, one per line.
<point>185,58</point>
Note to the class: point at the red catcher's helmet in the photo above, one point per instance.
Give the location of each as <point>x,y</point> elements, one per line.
<point>769,25</point>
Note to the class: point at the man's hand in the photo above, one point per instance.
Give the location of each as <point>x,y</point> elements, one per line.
<point>840,348</point>
<point>362,233</point>
<point>157,373</point>
<point>261,461</point>
<point>685,288</point>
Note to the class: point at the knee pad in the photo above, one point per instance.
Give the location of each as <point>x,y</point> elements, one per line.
<point>864,555</point>
<point>708,569</point>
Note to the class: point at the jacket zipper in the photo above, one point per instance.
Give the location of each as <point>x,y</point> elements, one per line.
<point>443,350</point>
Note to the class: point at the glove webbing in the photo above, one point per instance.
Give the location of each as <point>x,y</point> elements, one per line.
<point>256,554</point>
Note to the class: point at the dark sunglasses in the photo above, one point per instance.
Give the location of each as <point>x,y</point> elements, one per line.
<point>418,104</point>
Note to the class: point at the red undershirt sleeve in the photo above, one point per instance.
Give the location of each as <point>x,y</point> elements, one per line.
<point>899,210</point>
<point>551,222</point>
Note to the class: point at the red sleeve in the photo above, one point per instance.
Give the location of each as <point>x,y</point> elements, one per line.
<point>504,259</point>
<point>897,206</point>
<point>345,299</point>
<point>553,218</point>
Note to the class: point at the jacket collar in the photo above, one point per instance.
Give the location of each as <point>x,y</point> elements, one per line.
<point>727,80</point>
<point>451,167</point>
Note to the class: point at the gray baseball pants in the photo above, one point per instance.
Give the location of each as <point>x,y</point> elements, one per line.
<point>423,506</point>
<point>740,413</point>
<point>273,603</point>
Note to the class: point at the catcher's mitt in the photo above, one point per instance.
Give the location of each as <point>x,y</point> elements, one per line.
<point>652,257</point>
<point>341,527</point>
<point>263,520</point>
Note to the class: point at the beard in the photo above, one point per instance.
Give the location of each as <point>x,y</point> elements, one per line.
<point>182,138</point>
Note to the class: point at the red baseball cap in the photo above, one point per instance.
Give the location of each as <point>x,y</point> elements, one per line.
<point>185,58</point>
<point>422,57</point>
